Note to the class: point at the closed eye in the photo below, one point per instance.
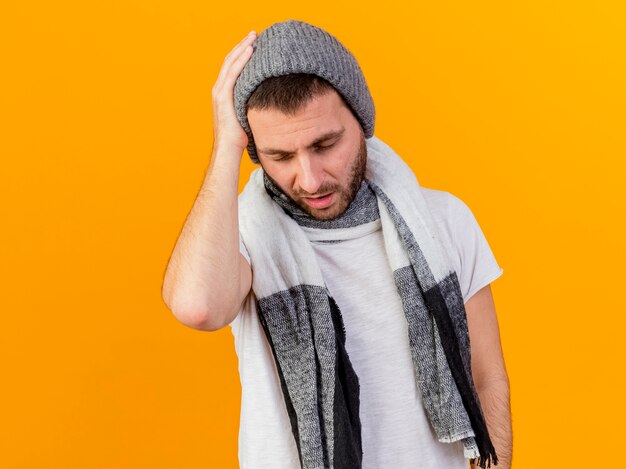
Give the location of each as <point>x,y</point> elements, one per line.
<point>323,148</point>
<point>318,148</point>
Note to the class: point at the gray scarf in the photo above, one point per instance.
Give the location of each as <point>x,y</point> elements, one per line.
<point>304,326</point>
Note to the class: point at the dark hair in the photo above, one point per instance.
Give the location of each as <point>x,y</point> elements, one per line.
<point>289,93</point>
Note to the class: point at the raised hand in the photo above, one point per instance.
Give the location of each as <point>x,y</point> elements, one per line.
<point>227,130</point>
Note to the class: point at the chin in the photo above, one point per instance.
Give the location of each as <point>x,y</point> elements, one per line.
<point>326,215</point>
<point>321,217</point>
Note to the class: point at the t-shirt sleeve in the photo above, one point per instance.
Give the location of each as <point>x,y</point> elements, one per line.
<point>478,264</point>
<point>243,250</point>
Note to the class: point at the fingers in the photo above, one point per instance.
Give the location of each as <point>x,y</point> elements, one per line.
<point>251,34</point>
<point>227,128</point>
<point>240,53</point>
<point>237,66</point>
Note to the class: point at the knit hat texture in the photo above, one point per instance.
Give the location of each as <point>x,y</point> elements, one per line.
<point>297,47</point>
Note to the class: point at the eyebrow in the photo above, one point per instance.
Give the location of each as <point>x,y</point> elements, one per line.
<point>322,138</point>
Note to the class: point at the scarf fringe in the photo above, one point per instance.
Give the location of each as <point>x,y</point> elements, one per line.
<point>485,462</point>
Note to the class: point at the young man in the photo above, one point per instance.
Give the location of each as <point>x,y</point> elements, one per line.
<point>356,296</point>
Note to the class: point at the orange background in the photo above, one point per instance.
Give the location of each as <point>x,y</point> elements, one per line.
<point>518,108</point>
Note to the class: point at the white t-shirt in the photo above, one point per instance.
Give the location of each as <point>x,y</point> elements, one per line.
<point>395,430</point>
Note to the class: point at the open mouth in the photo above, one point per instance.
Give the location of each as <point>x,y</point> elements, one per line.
<point>319,202</point>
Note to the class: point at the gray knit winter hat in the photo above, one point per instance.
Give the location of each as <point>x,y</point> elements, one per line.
<point>297,47</point>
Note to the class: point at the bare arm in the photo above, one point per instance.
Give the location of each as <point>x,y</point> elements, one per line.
<point>207,278</point>
<point>489,372</point>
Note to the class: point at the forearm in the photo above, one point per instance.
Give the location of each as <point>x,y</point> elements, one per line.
<point>202,278</point>
<point>495,401</point>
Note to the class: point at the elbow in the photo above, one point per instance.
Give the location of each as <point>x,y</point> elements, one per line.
<point>207,315</point>
<point>198,319</point>
<point>192,316</point>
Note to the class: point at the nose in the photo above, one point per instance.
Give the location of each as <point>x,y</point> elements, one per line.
<point>309,175</point>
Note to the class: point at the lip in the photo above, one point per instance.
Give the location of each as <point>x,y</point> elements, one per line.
<point>320,202</point>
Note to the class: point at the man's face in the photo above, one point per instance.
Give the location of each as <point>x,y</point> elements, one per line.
<point>320,151</point>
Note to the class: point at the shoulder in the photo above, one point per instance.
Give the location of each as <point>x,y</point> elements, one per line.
<point>470,252</point>
<point>444,202</point>
<point>452,215</point>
